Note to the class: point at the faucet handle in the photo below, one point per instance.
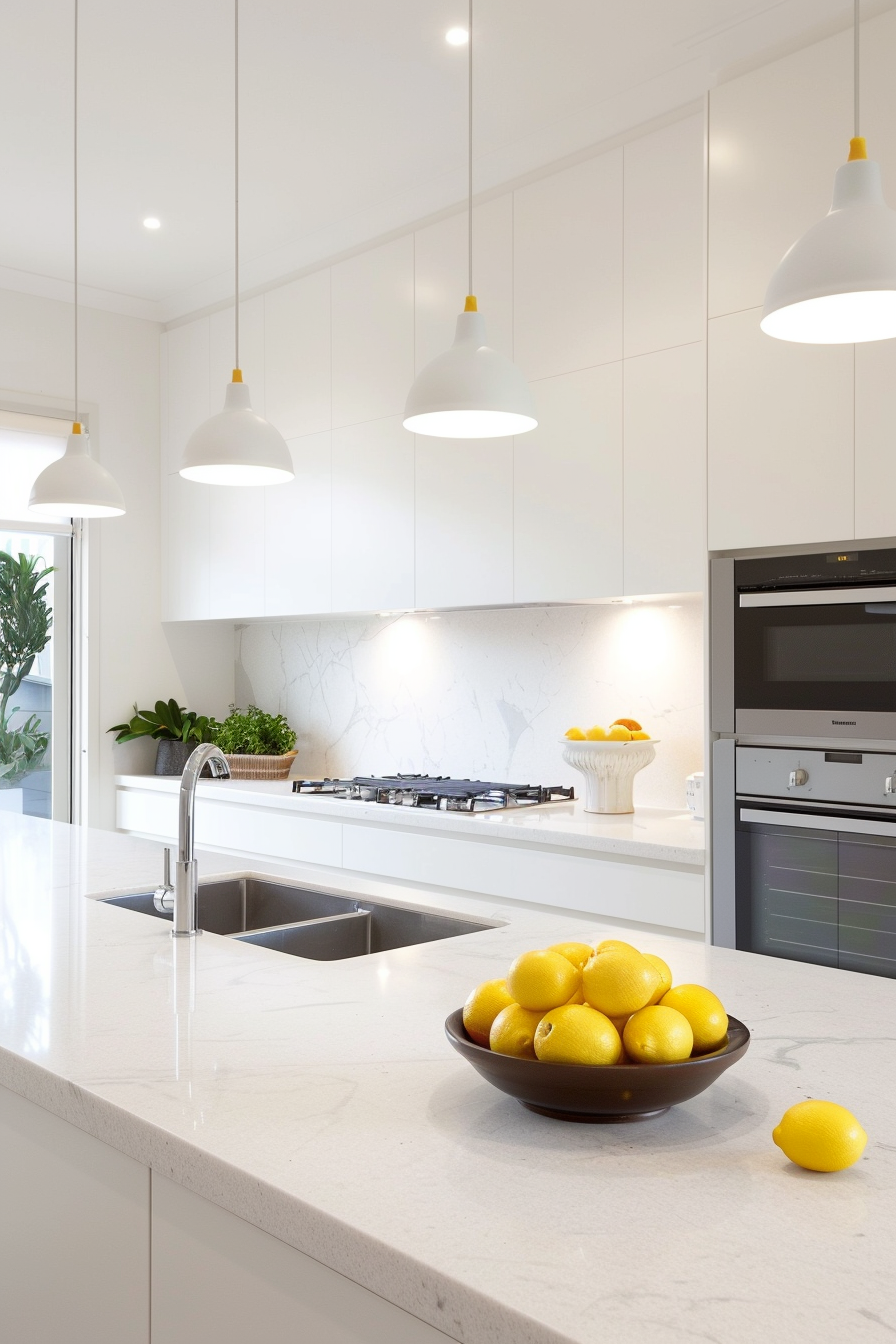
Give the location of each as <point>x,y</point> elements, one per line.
<point>218,767</point>
<point>163,896</point>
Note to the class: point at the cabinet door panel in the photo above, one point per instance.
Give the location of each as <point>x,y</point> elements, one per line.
<point>186,559</point>
<point>298,533</point>
<point>373,517</point>
<point>236,552</point>
<point>568,490</point>
<point>297,356</point>
<point>664,433</point>
<point>373,332</point>
<point>780,438</point>
<point>74,1235</point>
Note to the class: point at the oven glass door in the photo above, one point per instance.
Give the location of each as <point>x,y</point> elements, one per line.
<point>836,655</point>
<point>823,896</point>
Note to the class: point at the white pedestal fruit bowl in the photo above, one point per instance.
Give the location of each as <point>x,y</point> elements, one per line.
<point>609,769</point>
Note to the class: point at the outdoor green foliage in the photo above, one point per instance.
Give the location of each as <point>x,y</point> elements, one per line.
<point>254,733</point>
<point>168,722</point>
<point>25,624</point>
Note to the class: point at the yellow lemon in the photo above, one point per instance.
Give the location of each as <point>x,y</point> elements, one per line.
<point>615,942</point>
<point>708,1019</point>
<point>542,980</point>
<point>513,1032</point>
<point>619,733</point>
<point>618,982</point>
<point>631,724</point>
<point>577,953</point>
<point>575,735</point>
<point>578,997</point>
<point>666,982</point>
<point>638,735</point>
<point>483,1006</point>
<point>820,1136</point>
<point>577,1034</point>
<point>657,1035</point>
<point>596,733</point>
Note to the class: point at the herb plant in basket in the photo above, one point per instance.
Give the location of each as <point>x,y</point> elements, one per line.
<point>257,745</point>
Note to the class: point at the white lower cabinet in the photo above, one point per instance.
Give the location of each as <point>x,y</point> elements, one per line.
<point>218,1280</point>
<point>74,1233</point>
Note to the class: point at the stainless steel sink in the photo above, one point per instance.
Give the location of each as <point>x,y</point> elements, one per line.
<point>308,923</point>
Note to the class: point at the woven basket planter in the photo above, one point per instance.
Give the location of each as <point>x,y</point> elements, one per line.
<point>261,767</point>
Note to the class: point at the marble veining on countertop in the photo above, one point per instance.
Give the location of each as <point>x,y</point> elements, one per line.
<point>652,833</point>
<point>321,1102</point>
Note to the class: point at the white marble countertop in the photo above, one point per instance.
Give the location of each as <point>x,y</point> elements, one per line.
<point>321,1102</point>
<point>651,833</point>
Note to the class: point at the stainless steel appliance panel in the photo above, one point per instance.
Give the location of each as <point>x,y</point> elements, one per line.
<point>806,776</point>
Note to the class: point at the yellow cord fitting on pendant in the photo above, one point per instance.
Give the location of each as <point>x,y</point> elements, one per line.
<point>857,148</point>
<point>76,427</point>
<point>470,304</point>
<point>237,376</point>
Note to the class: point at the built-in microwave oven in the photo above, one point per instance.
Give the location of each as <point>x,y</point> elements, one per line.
<point>815,645</point>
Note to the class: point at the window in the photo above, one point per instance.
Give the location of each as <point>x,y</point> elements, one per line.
<point>36,629</point>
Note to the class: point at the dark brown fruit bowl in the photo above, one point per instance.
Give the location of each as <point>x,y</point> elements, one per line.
<point>598,1093</point>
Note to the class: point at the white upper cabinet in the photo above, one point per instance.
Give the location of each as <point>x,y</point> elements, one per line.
<point>298,533</point>
<point>185,563</point>
<point>440,278</point>
<point>568,490</point>
<point>780,438</point>
<point>222,351</point>
<point>567,231</point>
<point>663,233</point>
<point>236,551</point>
<point>776,137</point>
<point>188,383</point>
<point>297,356</point>
<point>464,522</point>
<point>373,517</point>
<point>373,332</point>
<point>665,471</point>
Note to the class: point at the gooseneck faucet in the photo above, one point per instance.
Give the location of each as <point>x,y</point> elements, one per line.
<point>183,896</point>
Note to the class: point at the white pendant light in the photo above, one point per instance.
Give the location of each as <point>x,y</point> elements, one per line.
<point>237,446</point>
<point>471,391</point>
<point>75,485</point>
<point>837,284</point>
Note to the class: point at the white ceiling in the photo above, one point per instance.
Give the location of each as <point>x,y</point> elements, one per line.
<point>353,121</point>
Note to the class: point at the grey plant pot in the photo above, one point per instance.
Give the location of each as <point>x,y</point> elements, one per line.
<point>171,757</point>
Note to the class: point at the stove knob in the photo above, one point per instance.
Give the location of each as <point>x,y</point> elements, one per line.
<point>889,785</point>
<point>798,778</point>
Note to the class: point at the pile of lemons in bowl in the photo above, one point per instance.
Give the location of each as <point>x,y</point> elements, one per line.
<point>620,730</point>
<point>610,1004</point>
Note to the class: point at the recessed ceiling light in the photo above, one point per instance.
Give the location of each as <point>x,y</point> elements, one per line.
<point>152,223</point>
<point>457,37</point>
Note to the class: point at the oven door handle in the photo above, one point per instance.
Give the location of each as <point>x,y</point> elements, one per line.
<point>812,822</point>
<point>817,597</point>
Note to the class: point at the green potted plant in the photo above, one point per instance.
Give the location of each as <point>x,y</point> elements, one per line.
<point>257,745</point>
<point>178,732</point>
<point>25,625</point>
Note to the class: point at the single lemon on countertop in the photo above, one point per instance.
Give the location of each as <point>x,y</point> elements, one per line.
<point>542,980</point>
<point>577,953</point>
<point>577,1034</point>
<point>575,734</point>
<point>596,733</point>
<point>657,1035</point>
<point>483,1006</point>
<point>708,1019</point>
<point>619,733</point>
<point>615,942</point>
<point>666,982</point>
<point>820,1136</point>
<point>617,982</point>
<point>513,1032</point>
<point>631,724</point>
<point>640,736</point>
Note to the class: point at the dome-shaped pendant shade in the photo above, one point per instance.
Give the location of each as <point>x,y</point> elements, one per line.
<point>75,485</point>
<point>236,446</point>
<point>470,391</point>
<point>837,284</point>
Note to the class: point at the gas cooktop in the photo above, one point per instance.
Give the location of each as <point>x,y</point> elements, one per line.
<point>439,792</point>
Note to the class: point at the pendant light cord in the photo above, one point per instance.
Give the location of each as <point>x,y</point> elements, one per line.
<point>236,180</point>
<point>75,204</point>
<point>855,66</point>
<point>470,150</point>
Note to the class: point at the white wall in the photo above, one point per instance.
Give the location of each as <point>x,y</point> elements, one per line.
<point>129,655</point>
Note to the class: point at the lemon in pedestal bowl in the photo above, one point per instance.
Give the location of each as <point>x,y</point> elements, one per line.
<point>609,758</point>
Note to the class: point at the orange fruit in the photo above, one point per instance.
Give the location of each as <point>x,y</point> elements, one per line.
<point>542,980</point>
<point>631,724</point>
<point>482,1007</point>
<point>513,1032</point>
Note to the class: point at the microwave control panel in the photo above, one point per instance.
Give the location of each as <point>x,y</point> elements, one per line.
<point>816,775</point>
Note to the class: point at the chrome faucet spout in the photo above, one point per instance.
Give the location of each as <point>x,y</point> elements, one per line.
<point>186,873</point>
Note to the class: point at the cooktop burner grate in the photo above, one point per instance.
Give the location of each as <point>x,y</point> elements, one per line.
<point>437,792</point>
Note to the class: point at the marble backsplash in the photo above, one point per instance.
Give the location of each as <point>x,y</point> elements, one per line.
<point>485,694</point>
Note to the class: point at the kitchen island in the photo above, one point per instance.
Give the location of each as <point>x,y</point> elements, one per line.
<point>317,1109</point>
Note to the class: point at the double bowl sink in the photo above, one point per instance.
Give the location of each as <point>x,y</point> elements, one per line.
<point>303,922</point>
